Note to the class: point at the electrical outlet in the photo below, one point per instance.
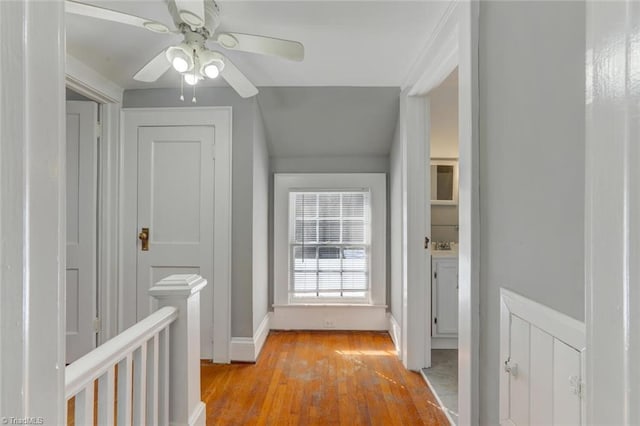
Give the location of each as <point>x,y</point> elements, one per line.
<point>329,324</point>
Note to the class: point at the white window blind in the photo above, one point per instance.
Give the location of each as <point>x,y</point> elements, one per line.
<point>329,245</point>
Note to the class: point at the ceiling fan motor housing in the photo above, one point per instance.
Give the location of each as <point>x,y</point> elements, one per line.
<point>211,16</point>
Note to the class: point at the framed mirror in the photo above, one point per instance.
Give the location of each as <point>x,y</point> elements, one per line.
<point>444,182</point>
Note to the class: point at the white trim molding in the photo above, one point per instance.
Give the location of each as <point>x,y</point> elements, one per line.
<point>569,330</point>
<point>416,299</point>
<point>89,82</point>
<point>247,349</point>
<point>32,212</point>
<point>284,183</point>
<point>612,213</point>
<point>93,85</point>
<point>428,71</point>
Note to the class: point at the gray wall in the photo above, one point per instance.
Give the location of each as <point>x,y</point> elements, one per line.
<point>532,151</point>
<point>329,121</point>
<point>260,221</point>
<point>244,111</point>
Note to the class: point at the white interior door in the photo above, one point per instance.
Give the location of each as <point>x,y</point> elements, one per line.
<point>82,161</point>
<point>176,204</point>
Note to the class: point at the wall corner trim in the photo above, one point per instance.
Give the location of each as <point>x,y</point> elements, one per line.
<point>247,349</point>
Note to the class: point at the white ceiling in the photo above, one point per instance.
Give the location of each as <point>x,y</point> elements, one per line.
<point>347,43</point>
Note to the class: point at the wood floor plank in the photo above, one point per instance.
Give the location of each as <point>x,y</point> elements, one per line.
<point>319,378</point>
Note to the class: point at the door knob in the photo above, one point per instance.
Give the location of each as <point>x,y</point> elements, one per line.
<point>143,236</point>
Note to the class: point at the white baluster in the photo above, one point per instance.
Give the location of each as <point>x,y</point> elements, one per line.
<point>140,385</point>
<point>125,392</point>
<point>84,406</point>
<point>163,378</point>
<point>106,397</point>
<point>152,381</point>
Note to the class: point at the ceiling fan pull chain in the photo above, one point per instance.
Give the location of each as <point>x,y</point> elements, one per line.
<point>181,87</point>
<point>195,77</point>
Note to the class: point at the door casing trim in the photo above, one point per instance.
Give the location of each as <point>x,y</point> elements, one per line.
<point>221,118</point>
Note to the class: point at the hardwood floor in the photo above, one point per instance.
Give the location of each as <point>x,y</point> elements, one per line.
<point>319,378</point>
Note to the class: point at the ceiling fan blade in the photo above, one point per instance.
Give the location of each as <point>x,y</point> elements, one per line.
<point>191,12</point>
<point>287,49</point>
<point>237,80</point>
<point>111,15</point>
<point>154,69</point>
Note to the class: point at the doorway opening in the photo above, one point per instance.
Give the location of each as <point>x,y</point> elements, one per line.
<point>442,169</point>
<point>92,112</point>
<point>82,325</point>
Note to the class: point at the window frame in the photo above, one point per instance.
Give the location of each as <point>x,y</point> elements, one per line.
<point>375,184</point>
<point>366,244</point>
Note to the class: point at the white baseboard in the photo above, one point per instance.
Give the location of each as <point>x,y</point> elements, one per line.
<point>330,317</point>
<point>444,343</point>
<point>247,349</point>
<point>261,334</point>
<point>396,334</point>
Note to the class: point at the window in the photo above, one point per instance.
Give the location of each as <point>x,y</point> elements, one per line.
<point>329,236</point>
<point>329,245</point>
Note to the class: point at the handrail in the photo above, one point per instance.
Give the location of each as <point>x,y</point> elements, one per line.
<point>94,364</point>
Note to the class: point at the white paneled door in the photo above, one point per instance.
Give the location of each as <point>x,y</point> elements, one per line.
<point>175,207</point>
<point>82,152</point>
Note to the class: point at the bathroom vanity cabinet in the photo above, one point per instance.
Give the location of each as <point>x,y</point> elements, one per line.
<point>444,296</point>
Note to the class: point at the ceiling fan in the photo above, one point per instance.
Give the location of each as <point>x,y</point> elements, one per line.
<point>197,21</point>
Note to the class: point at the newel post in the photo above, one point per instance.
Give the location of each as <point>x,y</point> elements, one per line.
<point>183,293</point>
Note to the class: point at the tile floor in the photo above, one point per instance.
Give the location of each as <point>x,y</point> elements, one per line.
<point>443,379</point>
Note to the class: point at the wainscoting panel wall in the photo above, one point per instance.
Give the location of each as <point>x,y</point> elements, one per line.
<point>542,359</point>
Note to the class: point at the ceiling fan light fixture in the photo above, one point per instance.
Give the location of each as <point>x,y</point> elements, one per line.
<point>179,58</point>
<point>211,63</point>
<point>211,71</point>
<point>191,79</point>
<point>179,64</point>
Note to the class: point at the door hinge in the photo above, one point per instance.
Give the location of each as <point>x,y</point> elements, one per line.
<point>435,275</point>
<point>435,320</point>
<point>426,242</point>
<point>98,128</point>
<point>97,325</point>
<point>577,386</point>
